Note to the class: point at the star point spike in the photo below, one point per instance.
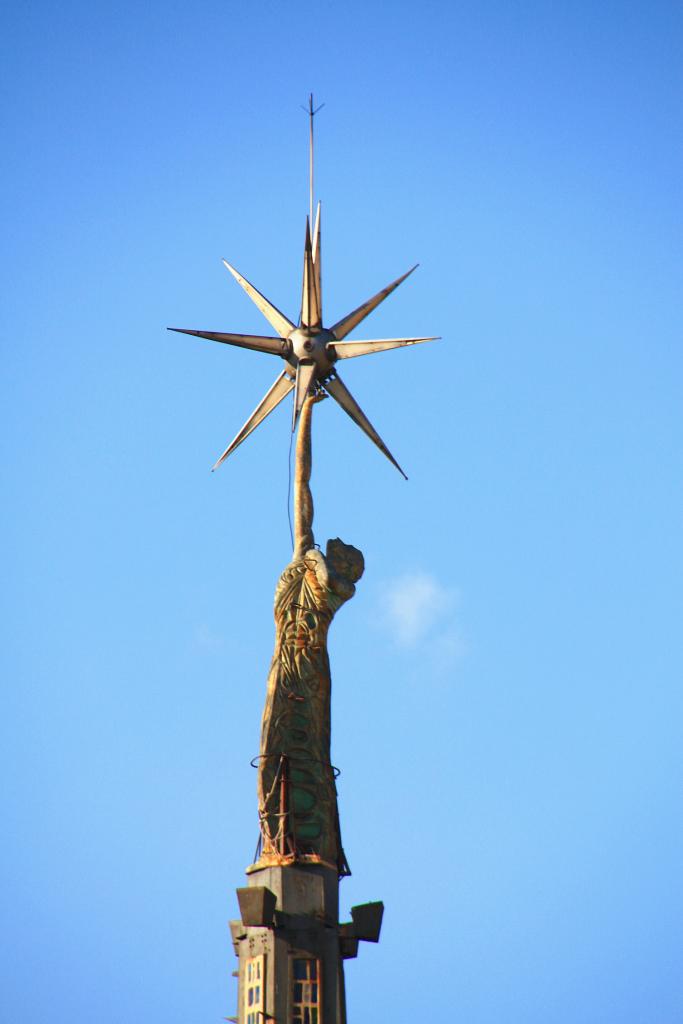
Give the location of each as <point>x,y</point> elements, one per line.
<point>341,394</point>
<point>256,342</point>
<point>305,376</point>
<point>311,304</point>
<point>275,318</point>
<point>279,390</point>
<point>351,349</point>
<point>351,320</point>
<point>317,260</point>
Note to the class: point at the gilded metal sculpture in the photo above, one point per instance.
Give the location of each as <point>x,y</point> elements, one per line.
<point>303,823</point>
<point>289,941</point>
<point>309,350</point>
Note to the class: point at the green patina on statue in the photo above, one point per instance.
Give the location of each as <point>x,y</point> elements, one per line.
<point>296,786</point>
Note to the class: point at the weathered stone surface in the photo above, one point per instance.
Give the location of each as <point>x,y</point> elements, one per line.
<point>257,905</point>
<point>304,925</point>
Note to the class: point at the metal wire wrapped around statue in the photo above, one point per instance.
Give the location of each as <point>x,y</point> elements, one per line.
<point>297,795</point>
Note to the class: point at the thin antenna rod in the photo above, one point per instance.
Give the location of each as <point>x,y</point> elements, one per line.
<point>311,111</point>
<point>310,160</point>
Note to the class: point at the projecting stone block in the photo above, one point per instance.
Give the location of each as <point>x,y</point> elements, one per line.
<point>237,932</point>
<point>367,921</point>
<point>348,947</point>
<point>257,906</point>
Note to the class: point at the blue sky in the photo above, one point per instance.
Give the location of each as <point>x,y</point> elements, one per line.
<point>507,681</point>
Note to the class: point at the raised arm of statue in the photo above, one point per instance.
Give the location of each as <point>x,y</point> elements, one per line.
<point>303,499</point>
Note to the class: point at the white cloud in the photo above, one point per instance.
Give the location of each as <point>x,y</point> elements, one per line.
<point>417,609</point>
<point>206,639</point>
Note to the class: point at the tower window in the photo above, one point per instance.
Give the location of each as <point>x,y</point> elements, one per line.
<point>306,1001</point>
<point>254,994</point>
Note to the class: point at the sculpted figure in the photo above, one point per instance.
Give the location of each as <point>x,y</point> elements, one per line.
<point>296,788</point>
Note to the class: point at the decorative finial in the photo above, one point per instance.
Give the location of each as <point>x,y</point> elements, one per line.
<point>310,351</point>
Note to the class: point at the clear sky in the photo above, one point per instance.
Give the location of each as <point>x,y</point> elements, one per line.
<point>508,681</point>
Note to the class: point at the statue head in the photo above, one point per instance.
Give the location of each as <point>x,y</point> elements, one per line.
<point>345,560</point>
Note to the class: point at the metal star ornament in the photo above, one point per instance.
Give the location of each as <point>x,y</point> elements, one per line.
<point>309,350</point>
